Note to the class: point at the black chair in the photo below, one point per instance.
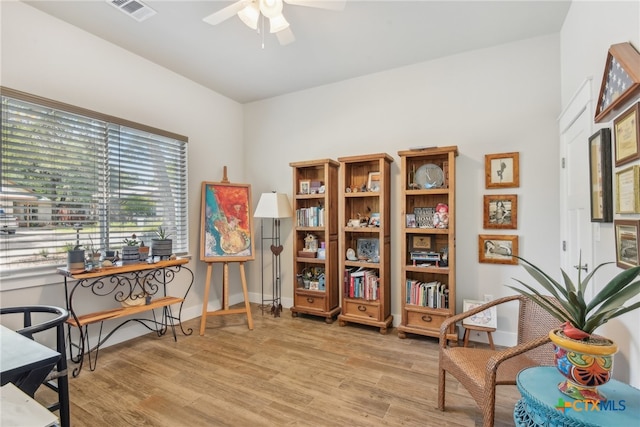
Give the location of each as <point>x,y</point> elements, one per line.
<point>58,379</point>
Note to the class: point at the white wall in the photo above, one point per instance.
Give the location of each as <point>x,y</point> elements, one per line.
<point>47,57</point>
<point>496,100</point>
<point>588,31</point>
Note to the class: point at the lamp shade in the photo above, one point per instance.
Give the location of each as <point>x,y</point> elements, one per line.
<point>273,205</point>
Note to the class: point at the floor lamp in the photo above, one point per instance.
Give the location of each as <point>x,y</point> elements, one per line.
<point>275,206</point>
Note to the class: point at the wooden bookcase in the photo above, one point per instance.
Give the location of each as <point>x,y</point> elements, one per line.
<point>365,193</point>
<point>315,205</point>
<point>428,283</point>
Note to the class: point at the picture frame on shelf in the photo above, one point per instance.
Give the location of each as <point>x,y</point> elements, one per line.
<point>305,186</point>
<point>424,217</point>
<point>373,182</point>
<point>627,233</point>
<point>628,190</point>
<point>486,319</point>
<point>502,170</point>
<point>374,219</point>
<point>626,129</point>
<point>600,176</point>
<point>498,249</point>
<point>500,211</point>
<point>368,249</point>
<point>410,220</point>
<point>421,242</point>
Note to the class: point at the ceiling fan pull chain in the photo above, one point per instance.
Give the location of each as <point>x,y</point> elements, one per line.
<point>262,29</point>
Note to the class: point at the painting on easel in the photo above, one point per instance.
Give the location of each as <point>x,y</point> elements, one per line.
<point>226,223</point>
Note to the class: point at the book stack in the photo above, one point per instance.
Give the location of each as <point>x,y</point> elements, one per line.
<point>361,283</point>
<point>427,294</point>
<point>310,217</point>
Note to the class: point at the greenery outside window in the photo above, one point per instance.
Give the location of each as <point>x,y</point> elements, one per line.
<point>72,176</point>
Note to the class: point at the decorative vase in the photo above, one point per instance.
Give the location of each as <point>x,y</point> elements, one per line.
<point>75,259</point>
<point>161,248</point>
<point>585,364</point>
<point>130,254</point>
<point>144,252</point>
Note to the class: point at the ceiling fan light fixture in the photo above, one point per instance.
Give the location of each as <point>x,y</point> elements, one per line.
<point>278,23</point>
<point>249,15</point>
<point>271,8</point>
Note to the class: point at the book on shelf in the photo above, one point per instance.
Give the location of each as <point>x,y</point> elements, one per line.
<point>310,217</point>
<point>361,283</point>
<point>427,294</point>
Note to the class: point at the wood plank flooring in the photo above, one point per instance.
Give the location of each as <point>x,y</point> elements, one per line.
<point>286,372</point>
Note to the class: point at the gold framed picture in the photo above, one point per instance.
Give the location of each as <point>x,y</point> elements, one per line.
<point>502,170</point>
<point>627,236</point>
<point>628,190</point>
<point>498,249</point>
<point>500,211</point>
<point>626,129</point>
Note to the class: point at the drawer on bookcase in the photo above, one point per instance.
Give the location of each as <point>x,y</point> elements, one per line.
<point>424,320</point>
<point>362,308</point>
<point>309,300</point>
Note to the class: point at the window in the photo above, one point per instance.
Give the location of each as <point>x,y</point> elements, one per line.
<point>75,177</point>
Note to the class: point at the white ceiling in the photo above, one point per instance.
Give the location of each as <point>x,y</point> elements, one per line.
<point>365,37</point>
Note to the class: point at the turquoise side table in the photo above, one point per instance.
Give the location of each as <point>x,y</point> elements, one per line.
<point>543,405</point>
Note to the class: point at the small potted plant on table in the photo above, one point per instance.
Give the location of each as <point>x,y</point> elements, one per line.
<point>130,250</point>
<point>162,245</point>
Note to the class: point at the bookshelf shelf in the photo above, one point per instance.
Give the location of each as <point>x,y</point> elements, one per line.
<point>365,246</point>
<point>317,283</point>
<point>429,254</point>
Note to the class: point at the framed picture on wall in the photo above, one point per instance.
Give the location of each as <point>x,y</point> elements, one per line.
<point>600,176</point>
<point>627,135</point>
<point>628,190</point>
<point>502,170</point>
<point>627,235</point>
<point>500,211</point>
<point>498,249</point>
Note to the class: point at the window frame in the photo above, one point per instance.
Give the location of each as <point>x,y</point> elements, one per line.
<point>179,206</point>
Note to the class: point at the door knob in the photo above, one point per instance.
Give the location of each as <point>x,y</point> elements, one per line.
<point>584,267</point>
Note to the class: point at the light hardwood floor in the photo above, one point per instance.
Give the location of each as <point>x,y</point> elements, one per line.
<point>286,372</point>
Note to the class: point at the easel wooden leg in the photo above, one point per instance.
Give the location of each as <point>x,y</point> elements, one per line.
<point>225,297</point>
<point>205,302</point>
<point>245,291</point>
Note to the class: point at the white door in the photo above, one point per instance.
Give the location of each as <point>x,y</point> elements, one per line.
<point>576,228</point>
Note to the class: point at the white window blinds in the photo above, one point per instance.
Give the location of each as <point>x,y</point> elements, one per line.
<point>72,176</point>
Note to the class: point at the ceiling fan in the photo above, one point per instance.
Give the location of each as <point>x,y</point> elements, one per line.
<point>249,12</point>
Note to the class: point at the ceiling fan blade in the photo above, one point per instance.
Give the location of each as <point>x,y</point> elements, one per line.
<point>320,4</point>
<point>226,12</point>
<point>285,36</point>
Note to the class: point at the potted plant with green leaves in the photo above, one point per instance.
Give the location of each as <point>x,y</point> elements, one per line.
<point>583,358</point>
<point>130,250</point>
<point>161,245</point>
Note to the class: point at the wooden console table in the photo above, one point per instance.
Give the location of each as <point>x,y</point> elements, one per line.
<point>135,288</point>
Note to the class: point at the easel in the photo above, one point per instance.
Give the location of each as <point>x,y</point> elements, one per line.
<point>225,297</point>
<point>225,283</point>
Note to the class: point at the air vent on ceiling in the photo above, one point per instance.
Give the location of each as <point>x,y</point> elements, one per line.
<point>134,8</point>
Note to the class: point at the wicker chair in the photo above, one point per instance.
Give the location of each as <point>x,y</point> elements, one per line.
<point>480,370</point>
